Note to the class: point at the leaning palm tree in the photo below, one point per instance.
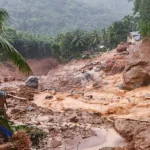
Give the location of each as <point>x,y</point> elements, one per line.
<point>6,49</point>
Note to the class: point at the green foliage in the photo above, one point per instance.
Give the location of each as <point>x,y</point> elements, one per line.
<point>3,17</point>
<point>57,16</point>
<point>35,134</point>
<point>118,31</point>
<point>4,121</point>
<point>142,10</point>
<point>6,49</point>
<point>29,45</point>
<point>69,45</point>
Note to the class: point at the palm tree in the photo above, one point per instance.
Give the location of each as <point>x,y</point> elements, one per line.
<point>95,36</point>
<point>79,39</point>
<point>6,49</point>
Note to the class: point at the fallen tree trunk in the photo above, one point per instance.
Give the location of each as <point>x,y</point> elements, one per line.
<point>20,98</point>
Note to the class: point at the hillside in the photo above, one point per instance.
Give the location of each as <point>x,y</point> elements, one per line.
<point>53,16</point>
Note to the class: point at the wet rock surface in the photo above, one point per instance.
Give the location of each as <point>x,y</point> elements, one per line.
<point>32,81</point>
<point>136,132</point>
<point>137,70</point>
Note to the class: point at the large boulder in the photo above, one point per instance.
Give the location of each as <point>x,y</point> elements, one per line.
<point>122,47</point>
<point>137,70</point>
<point>32,81</point>
<point>136,132</point>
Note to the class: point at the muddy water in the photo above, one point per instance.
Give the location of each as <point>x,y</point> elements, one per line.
<point>104,138</point>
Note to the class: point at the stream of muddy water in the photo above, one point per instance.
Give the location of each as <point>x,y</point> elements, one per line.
<point>105,137</point>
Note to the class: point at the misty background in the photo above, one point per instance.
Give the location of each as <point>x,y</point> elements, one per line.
<point>55,16</point>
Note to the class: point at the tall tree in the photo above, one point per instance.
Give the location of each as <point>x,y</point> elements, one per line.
<point>95,38</point>
<point>142,9</point>
<point>6,49</point>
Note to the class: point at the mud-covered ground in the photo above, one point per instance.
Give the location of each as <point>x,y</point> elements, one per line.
<point>83,106</point>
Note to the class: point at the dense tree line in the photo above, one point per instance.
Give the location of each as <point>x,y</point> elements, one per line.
<point>71,44</point>
<point>118,31</point>
<point>56,16</point>
<point>29,45</point>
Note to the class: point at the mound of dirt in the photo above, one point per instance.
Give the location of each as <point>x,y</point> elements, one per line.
<point>80,73</point>
<point>38,66</point>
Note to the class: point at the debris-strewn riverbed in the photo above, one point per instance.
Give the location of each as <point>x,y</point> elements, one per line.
<point>83,106</point>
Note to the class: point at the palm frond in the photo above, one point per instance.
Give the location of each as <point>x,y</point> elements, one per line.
<point>3,17</point>
<point>7,49</point>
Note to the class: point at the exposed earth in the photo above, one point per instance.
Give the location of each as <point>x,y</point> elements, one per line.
<point>83,105</point>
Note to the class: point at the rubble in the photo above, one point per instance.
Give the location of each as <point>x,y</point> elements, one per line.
<point>32,81</point>
<point>82,101</point>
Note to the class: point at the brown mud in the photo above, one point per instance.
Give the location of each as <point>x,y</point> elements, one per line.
<point>82,106</point>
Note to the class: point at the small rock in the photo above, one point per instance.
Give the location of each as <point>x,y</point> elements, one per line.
<point>69,109</point>
<point>89,96</point>
<point>15,110</point>
<point>90,67</point>
<point>120,86</point>
<point>46,111</point>
<point>95,63</point>
<point>74,119</point>
<point>6,79</point>
<point>48,97</point>
<point>72,126</point>
<point>88,127</point>
<point>51,119</point>
<point>96,84</point>
<point>105,83</point>
<point>43,118</point>
<point>37,123</point>
<point>30,108</point>
<point>52,128</point>
<point>97,114</point>
<point>147,96</point>
<point>55,143</point>
<point>64,127</point>
<point>97,69</point>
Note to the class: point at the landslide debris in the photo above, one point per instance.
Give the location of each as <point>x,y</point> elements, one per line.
<point>137,70</point>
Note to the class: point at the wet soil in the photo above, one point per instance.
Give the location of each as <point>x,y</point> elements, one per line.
<point>81,108</point>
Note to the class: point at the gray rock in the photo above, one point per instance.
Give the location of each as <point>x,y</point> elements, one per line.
<point>32,81</point>
<point>48,97</point>
<point>30,108</point>
<point>105,82</point>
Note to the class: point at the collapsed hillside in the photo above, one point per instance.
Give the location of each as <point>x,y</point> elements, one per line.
<point>39,66</point>
<point>81,105</point>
